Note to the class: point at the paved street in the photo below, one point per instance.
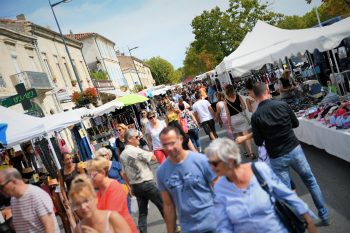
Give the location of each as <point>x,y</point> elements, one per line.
<point>333,175</point>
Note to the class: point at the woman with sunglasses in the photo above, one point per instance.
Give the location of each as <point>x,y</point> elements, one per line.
<point>153,129</point>
<point>93,220</point>
<point>241,205</point>
<point>119,142</point>
<point>110,194</point>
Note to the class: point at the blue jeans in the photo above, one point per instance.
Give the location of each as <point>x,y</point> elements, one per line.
<point>193,134</point>
<point>297,160</point>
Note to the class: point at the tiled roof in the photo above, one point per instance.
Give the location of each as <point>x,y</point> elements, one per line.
<point>79,36</point>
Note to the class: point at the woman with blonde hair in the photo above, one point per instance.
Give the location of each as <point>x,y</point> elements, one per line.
<point>84,203</point>
<point>119,142</point>
<point>110,195</point>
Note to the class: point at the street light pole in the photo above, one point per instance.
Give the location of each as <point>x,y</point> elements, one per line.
<point>64,42</point>
<point>133,62</point>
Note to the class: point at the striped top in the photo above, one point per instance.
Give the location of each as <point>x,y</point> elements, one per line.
<point>28,209</point>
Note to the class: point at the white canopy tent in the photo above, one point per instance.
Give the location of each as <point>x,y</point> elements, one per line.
<point>21,127</point>
<point>63,120</point>
<point>267,44</point>
<point>106,108</point>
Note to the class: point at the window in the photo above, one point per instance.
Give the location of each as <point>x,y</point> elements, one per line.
<point>85,69</point>
<point>47,65</point>
<point>60,70</point>
<point>67,69</point>
<point>76,70</point>
<point>15,63</point>
<point>32,62</point>
<point>2,81</point>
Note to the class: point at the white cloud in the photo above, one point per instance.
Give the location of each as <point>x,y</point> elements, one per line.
<point>159,28</point>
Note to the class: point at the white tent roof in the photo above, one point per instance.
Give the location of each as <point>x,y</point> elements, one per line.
<point>106,108</point>
<point>63,120</point>
<point>267,44</point>
<point>21,127</point>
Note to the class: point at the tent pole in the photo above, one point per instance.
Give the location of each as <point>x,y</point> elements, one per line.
<point>335,61</point>
<point>53,152</point>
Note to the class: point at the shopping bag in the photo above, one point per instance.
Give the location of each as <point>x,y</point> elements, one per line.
<point>134,206</point>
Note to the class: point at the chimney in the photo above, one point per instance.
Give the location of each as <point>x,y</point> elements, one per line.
<point>21,17</point>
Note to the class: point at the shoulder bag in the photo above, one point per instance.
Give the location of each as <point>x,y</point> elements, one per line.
<point>291,220</point>
<point>242,112</point>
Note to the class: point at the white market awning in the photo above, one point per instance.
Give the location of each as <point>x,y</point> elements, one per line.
<point>21,127</point>
<point>267,44</point>
<point>106,108</point>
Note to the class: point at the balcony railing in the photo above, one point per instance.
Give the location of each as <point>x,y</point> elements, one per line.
<point>31,79</point>
<point>103,85</point>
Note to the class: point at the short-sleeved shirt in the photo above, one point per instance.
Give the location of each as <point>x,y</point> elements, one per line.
<point>28,209</point>
<point>135,162</point>
<point>154,133</point>
<point>114,198</point>
<point>201,107</point>
<point>188,183</point>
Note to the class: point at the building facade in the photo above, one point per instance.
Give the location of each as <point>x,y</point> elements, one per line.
<point>47,55</point>
<point>100,56</point>
<point>36,56</point>
<point>136,71</point>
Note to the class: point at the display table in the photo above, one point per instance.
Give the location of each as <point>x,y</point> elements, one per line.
<point>335,142</point>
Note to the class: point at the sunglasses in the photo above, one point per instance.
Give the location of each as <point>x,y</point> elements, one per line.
<point>214,163</point>
<point>119,130</point>
<point>151,117</point>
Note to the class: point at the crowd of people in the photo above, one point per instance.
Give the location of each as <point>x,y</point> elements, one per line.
<point>194,192</point>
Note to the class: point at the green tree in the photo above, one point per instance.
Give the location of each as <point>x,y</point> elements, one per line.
<point>162,70</point>
<point>218,33</point>
<point>327,10</point>
<point>177,76</point>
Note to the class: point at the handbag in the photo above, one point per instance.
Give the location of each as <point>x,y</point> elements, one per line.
<point>242,113</point>
<point>290,219</point>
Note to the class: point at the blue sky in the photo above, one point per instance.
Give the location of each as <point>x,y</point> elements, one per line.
<point>158,27</point>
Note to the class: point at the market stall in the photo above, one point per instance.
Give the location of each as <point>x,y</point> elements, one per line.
<point>332,140</point>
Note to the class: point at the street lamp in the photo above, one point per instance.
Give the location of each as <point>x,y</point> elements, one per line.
<point>134,64</point>
<point>64,41</point>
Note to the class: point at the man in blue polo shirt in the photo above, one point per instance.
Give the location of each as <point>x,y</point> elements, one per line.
<point>185,180</point>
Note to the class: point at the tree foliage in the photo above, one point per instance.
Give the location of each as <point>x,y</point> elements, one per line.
<point>328,10</point>
<point>218,33</point>
<point>162,70</point>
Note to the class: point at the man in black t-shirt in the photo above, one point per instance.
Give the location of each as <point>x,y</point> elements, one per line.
<point>272,124</point>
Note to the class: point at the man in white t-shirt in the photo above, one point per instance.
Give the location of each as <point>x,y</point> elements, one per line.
<point>32,208</point>
<point>204,114</point>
